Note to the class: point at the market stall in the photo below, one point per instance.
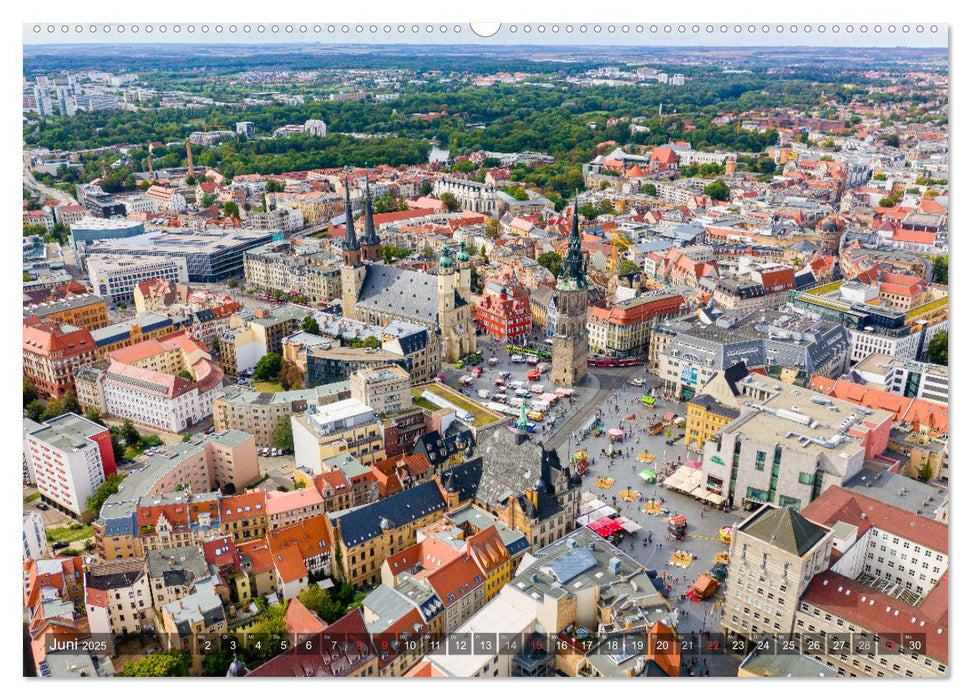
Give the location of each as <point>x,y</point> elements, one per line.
<point>606,527</point>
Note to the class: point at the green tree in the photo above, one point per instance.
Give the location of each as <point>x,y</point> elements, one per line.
<point>316,599</point>
<point>108,488</point>
<point>268,367</point>
<point>231,210</point>
<point>463,166</point>
<point>232,284</point>
<point>94,416</point>
<point>290,376</point>
<point>718,190</point>
<point>451,203</point>
<point>627,267</point>
<point>274,186</point>
<point>35,409</point>
<point>939,270</point>
<point>925,473</point>
<point>310,325</point>
<point>30,391</point>
<point>551,261</point>
<point>937,349</point>
<point>648,188</point>
<point>371,342</point>
<point>161,664</point>
<point>425,189</point>
<point>187,375</point>
<point>283,434</point>
<point>116,447</point>
<point>66,404</point>
<point>270,625</point>
<point>207,200</point>
<point>215,664</point>
<point>130,434</point>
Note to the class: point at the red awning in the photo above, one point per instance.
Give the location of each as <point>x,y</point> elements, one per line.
<point>605,526</point>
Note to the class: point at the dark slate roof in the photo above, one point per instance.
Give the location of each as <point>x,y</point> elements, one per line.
<point>397,292</point>
<point>713,405</point>
<point>464,478</point>
<point>504,468</point>
<point>114,579</point>
<point>364,523</point>
<point>786,529</point>
<point>805,280</point>
<point>437,448</point>
<point>735,374</point>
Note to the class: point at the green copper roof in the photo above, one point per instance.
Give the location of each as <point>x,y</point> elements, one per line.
<point>573,272</point>
<point>446,259</point>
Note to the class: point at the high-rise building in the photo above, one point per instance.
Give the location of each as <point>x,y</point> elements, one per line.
<point>69,458</point>
<point>570,344</point>
<point>247,129</point>
<point>315,127</point>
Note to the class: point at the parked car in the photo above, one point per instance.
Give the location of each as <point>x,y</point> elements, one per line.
<point>60,545</point>
<point>42,506</point>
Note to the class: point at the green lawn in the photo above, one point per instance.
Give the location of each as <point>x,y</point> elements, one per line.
<point>481,417</point>
<point>70,533</point>
<point>268,387</point>
<point>32,497</point>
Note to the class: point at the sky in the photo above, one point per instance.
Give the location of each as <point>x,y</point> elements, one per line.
<point>721,35</point>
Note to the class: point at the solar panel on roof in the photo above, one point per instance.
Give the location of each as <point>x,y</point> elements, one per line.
<point>568,566</point>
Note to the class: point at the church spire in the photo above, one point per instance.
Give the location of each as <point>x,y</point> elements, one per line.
<point>350,239</point>
<point>370,235</point>
<point>573,272</point>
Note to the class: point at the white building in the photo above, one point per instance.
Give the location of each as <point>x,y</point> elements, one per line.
<point>35,537</point>
<point>167,199</point>
<point>315,127</point>
<point>472,196</point>
<point>160,400</point>
<point>67,458</point>
<point>332,425</point>
<point>904,377</point>
<point>116,276</point>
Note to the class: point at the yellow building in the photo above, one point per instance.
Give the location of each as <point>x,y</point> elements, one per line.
<point>366,536</point>
<point>705,417</point>
<point>121,335</point>
<point>88,311</point>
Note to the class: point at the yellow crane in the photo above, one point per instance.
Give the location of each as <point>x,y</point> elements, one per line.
<point>615,240</point>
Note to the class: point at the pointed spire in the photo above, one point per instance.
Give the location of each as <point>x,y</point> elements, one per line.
<point>370,235</point>
<point>350,239</point>
<point>573,271</point>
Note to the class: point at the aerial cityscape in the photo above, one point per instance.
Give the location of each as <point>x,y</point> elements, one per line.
<point>458,360</point>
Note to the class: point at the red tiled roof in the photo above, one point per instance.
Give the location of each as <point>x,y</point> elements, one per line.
<point>839,504</point>
<point>875,611</point>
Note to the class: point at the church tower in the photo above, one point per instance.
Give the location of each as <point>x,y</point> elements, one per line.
<point>464,273</point>
<point>570,343</point>
<point>454,310</point>
<point>446,284</point>
<point>370,243</point>
<point>352,271</point>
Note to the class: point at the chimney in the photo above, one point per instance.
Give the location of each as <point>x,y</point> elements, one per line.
<point>188,152</point>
